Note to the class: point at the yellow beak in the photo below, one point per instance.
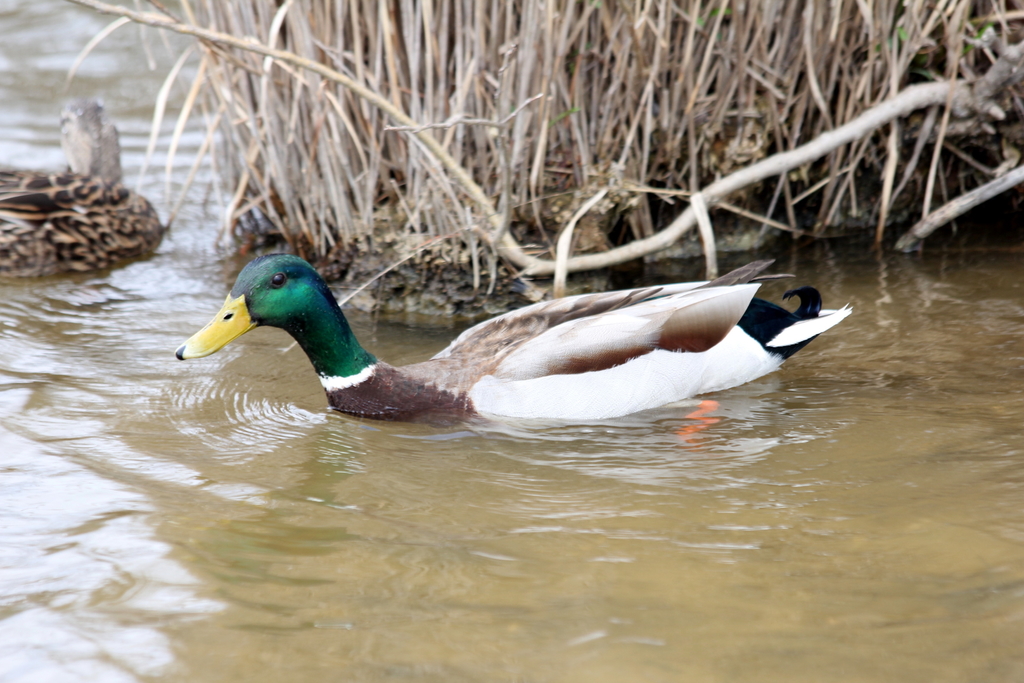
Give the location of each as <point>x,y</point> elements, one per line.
<point>230,323</point>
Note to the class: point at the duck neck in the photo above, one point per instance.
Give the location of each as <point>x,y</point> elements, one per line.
<point>324,334</point>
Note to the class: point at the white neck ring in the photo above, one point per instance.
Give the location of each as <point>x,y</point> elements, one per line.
<point>334,382</point>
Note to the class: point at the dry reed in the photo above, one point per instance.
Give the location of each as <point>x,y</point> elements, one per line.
<point>541,101</point>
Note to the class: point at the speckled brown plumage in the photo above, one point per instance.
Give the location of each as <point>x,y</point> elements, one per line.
<point>77,221</point>
<point>60,222</point>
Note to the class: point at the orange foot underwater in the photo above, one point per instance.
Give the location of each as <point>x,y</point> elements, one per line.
<point>705,407</point>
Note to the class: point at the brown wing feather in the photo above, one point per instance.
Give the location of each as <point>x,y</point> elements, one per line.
<point>574,364</point>
<point>480,350</point>
<point>698,328</point>
<point>741,275</point>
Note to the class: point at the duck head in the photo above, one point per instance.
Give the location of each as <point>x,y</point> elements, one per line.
<point>278,290</point>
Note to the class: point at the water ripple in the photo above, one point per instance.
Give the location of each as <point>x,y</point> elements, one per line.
<point>254,422</point>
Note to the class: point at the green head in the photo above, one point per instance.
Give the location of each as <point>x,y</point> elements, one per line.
<point>284,291</point>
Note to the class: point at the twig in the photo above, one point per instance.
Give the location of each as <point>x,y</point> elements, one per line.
<point>450,122</point>
<point>565,242</point>
<point>179,126</point>
<point>818,185</point>
<point>812,78</point>
<point>203,148</point>
<point>96,40</point>
<point>968,159</point>
<point>952,69</point>
<point>922,139</point>
<point>892,158</point>
<point>163,8</point>
<point>707,234</point>
<point>158,112</point>
<point>757,217</point>
<point>665,192</point>
<point>462,119</point>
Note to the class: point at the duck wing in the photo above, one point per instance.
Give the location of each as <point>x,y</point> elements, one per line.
<point>505,333</point>
<point>686,322</point>
<point>588,333</point>
<point>592,332</point>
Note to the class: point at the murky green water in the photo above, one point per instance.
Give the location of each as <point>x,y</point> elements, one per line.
<point>857,516</point>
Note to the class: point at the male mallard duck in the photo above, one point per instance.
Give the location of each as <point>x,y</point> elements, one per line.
<point>77,221</point>
<point>579,358</point>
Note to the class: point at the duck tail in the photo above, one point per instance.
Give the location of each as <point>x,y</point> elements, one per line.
<point>803,331</point>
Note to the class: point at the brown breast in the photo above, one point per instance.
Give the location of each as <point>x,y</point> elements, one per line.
<point>388,394</point>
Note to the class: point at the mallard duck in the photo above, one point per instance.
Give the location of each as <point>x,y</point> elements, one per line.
<point>583,357</point>
<point>77,221</point>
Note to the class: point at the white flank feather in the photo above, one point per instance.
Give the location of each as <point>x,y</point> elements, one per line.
<point>805,329</point>
<point>655,379</point>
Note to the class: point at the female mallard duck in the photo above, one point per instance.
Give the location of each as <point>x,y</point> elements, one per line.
<point>579,358</point>
<point>77,221</point>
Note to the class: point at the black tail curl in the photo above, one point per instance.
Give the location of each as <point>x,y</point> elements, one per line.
<point>810,302</point>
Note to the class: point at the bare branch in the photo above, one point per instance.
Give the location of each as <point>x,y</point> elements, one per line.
<point>565,242</point>
<point>912,98</point>
<point>707,234</point>
<point>912,238</point>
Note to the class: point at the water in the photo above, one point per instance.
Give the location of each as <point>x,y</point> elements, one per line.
<point>853,517</point>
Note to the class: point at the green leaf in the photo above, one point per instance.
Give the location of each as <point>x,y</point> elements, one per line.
<point>563,115</point>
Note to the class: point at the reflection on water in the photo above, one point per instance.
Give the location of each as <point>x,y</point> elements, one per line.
<point>853,517</point>
<point>79,563</point>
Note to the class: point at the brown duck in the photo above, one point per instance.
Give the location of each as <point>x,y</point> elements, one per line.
<point>77,221</point>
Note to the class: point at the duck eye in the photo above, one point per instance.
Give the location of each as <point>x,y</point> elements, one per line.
<point>278,279</point>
